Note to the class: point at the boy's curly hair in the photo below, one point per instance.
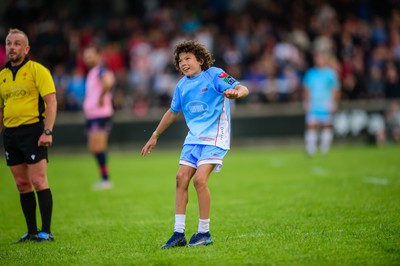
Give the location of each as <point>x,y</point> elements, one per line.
<point>196,48</point>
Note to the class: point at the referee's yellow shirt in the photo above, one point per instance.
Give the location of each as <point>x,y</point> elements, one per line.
<point>21,93</point>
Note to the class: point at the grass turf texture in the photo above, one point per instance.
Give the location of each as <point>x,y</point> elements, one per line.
<point>270,206</point>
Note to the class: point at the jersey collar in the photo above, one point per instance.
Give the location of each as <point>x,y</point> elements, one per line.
<point>8,64</point>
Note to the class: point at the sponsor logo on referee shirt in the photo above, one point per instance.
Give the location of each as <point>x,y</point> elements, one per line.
<point>16,93</point>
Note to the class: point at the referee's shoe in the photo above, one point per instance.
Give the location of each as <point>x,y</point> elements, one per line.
<point>43,237</point>
<point>27,237</point>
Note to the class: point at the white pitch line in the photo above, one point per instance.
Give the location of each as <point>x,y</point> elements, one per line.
<point>376,180</point>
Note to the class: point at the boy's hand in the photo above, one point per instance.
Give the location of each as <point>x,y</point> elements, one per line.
<point>149,146</point>
<point>232,94</point>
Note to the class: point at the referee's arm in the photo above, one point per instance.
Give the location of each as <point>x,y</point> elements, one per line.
<point>51,110</point>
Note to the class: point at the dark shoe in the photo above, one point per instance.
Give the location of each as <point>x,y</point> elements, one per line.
<point>200,239</point>
<point>44,237</point>
<point>176,240</point>
<point>27,237</point>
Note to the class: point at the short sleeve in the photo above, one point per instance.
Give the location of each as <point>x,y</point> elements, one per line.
<point>176,103</point>
<point>44,81</point>
<point>224,81</point>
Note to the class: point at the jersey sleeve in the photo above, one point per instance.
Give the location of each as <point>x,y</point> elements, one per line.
<point>335,81</point>
<point>44,81</point>
<point>223,81</point>
<point>176,103</point>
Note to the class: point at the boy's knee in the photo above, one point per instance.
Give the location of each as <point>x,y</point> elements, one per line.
<point>182,180</point>
<point>199,183</point>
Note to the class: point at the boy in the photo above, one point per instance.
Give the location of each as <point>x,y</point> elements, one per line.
<point>203,96</point>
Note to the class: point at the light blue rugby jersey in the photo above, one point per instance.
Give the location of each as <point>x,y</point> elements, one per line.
<point>321,82</point>
<point>205,108</point>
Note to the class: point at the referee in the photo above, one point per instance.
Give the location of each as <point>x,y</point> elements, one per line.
<point>28,109</point>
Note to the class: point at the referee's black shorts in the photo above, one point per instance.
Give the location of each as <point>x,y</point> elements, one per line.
<point>21,144</point>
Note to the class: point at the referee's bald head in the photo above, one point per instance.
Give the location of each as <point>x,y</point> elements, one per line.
<point>18,31</point>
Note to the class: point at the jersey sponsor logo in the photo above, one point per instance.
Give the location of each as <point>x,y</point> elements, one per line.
<point>222,75</point>
<point>228,79</point>
<point>197,107</point>
<point>203,90</point>
<point>16,93</point>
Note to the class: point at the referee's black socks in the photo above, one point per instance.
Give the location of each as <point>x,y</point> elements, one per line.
<point>45,200</point>
<point>28,204</point>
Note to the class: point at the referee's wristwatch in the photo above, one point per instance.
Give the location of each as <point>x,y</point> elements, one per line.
<point>48,132</point>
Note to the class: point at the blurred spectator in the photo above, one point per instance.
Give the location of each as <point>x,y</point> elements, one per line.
<point>255,79</point>
<point>287,54</point>
<point>61,81</point>
<point>3,58</point>
<point>357,87</point>
<point>378,33</point>
<point>392,81</point>
<point>376,128</point>
<point>164,86</point>
<point>289,85</point>
<point>387,126</point>
<point>375,84</point>
<point>140,67</point>
<point>75,90</point>
<point>395,43</point>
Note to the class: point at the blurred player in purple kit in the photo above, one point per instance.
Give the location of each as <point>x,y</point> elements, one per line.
<point>321,97</point>
<point>202,95</point>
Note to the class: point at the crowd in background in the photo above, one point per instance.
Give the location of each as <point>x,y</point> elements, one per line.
<point>267,44</point>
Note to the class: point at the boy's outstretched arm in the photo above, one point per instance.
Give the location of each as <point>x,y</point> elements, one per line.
<point>239,91</point>
<point>168,118</point>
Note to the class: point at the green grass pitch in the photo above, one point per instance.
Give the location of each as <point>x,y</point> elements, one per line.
<point>270,206</point>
